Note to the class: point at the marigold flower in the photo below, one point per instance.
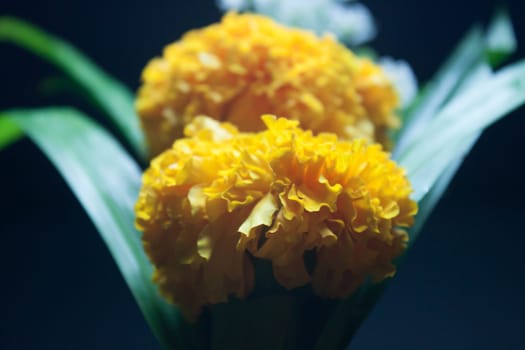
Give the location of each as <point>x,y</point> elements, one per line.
<point>219,198</point>
<point>247,66</point>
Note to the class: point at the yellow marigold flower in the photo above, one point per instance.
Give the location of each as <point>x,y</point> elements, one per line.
<point>247,65</point>
<point>379,98</point>
<point>219,198</point>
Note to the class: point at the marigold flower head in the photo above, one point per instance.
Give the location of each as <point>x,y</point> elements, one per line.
<point>247,65</point>
<point>220,198</point>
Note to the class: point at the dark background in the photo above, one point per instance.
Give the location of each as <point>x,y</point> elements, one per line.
<point>461,287</point>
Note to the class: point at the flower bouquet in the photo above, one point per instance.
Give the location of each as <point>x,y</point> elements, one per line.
<point>285,174</point>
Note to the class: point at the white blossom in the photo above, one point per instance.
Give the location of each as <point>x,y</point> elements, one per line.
<point>352,24</point>
<point>403,77</point>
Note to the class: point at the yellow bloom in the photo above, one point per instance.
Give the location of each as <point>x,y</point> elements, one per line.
<point>219,198</point>
<point>379,98</point>
<point>247,66</point>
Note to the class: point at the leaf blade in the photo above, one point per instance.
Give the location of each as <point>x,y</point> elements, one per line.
<point>500,39</point>
<point>9,133</point>
<point>464,117</point>
<point>106,183</point>
<point>468,52</point>
<point>110,94</point>
<point>493,47</point>
<point>429,201</point>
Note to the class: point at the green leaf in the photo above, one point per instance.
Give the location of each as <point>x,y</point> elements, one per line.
<point>245,324</point>
<point>9,133</point>
<point>106,181</point>
<point>499,43</point>
<point>496,46</point>
<point>442,86</point>
<point>431,199</point>
<point>61,85</point>
<point>110,94</point>
<point>366,52</point>
<point>500,39</point>
<point>428,202</point>
<point>464,117</point>
<point>348,316</point>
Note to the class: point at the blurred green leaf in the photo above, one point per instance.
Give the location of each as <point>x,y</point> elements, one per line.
<point>494,47</point>
<point>464,117</point>
<point>245,324</point>
<point>110,94</point>
<point>440,88</point>
<point>106,181</point>
<point>366,52</point>
<point>62,85</point>
<point>348,316</point>
<point>499,43</point>
<point>9,133</point>
<point>500,39</point>
<point>438,188</point>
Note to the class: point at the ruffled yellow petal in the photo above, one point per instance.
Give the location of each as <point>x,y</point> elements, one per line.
<point>247,65</point>
<point>220,198</point>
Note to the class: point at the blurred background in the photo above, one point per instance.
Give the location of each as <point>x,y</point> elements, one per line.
<point>461,286</point>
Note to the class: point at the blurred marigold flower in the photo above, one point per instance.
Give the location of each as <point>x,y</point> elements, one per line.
<point>247,66</point>
<point>220,198</point>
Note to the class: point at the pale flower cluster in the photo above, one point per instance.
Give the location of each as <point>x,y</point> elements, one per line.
<point>351,23</point>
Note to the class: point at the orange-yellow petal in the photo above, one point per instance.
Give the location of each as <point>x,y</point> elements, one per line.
<point>220,198</point>
<point>247,65</point>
